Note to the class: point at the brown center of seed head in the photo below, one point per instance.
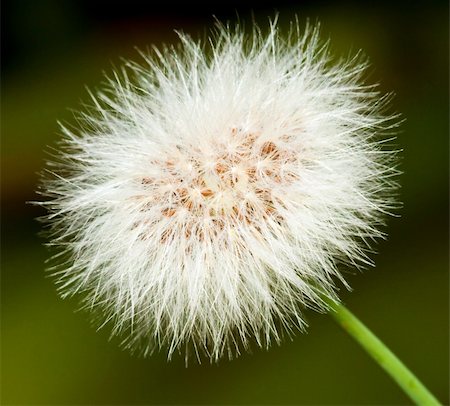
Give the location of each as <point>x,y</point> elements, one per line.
<point>233,185</point>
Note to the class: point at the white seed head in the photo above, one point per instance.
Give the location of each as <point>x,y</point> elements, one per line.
<point>214,190</point>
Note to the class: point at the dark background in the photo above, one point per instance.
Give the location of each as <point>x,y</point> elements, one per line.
<point>51,50</point>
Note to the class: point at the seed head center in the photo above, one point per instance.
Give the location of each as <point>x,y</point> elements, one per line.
<point>232,182</point>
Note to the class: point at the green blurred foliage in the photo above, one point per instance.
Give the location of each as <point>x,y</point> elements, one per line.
<point>51,354</point>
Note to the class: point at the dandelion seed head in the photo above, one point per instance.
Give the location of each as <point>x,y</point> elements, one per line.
<point>212,191</point>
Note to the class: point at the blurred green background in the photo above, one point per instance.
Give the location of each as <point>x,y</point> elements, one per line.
<point>51,355</point>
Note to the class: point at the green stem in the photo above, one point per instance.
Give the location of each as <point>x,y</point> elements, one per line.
<point>381,354</point>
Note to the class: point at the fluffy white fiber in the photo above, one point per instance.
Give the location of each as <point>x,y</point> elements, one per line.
<point>213,190</point>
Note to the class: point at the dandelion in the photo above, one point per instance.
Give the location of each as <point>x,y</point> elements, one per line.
<point>213,191</point>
